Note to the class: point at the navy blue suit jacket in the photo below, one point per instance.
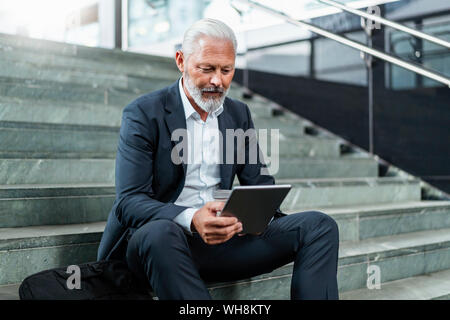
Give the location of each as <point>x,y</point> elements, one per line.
<point>148,182</point>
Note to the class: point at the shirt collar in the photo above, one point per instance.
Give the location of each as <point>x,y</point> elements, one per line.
<point>189,109</point>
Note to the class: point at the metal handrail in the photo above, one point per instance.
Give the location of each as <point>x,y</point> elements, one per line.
<point>388,23</point>
<point>354,44</point>
<point>289,42</point>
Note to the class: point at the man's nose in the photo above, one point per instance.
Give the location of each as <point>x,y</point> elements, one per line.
<point>216,79</point>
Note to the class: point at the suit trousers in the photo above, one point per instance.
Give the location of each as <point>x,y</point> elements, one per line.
<point>176,265</point>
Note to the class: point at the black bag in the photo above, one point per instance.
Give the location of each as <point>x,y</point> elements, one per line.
<point>105,279</point>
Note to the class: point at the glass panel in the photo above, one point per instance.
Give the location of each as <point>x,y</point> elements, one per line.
<point>292,59</point>
<point>157,26</point>
<point>344,65</point>
<point>422,52</point>
<point>411,112</point>
<point>295,59</point>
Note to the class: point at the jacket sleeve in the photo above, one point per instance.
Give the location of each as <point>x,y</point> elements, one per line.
<point>134,172</point>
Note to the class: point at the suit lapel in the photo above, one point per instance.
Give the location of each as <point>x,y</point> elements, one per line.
<point>176,119</point>
<point>225,122</point>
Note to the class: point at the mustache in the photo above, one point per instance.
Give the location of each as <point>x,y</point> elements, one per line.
<point>213,90</point>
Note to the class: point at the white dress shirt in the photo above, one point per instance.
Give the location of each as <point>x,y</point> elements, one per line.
<point>203,170</point>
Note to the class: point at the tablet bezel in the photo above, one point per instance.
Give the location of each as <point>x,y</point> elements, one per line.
<point>263,219</point>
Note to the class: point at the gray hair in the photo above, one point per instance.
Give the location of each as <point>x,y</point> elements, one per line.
<point>206,27</point>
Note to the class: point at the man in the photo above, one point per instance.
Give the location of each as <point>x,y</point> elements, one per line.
<point>163,222</point>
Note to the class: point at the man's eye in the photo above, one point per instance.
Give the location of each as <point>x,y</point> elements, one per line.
<point>207,69</point>
<point>226,71</point>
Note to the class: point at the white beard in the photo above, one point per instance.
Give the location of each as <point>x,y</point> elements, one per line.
<point>206,104</point>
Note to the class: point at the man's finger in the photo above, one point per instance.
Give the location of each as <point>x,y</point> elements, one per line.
<point>222,221</point>
<point>216,206</point>
<point>224,231</point>
<point>212,204</point>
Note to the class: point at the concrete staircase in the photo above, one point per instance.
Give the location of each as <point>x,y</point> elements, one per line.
<point>60,111</point>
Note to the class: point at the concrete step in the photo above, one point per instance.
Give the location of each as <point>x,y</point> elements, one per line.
<point>259,106</point>
<point>267,109</point>
<point>67,171</point>
<point>285,126</point>
<point>43,90</point>
<point>43,140</point>
<point>361,222</point>
<point>52,140</point>
<point>31,140</point>
<point>94,78</point>
<point>59,112</point>
<point>35,205</point>
<point>398,257</point>
<point>10,292</point>
<point>56,171</point>
<point>291,168</point>
<point>59,102</point>
<point>309,194</point>
<point>48,60</point>
<point>236,92</point>
<point>263,111</point>
<point>25,251</point>
<point>71,112</point>
<point>33,249</point>
<point>148,66</point>
<point>111,57</point>
<point>432,286</point>
<point>306,146</point>
<point>81,203</point>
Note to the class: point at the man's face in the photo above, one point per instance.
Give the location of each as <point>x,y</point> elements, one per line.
<point>208,72</point>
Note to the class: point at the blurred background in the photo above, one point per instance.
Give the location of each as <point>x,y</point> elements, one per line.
<point>363,137</point>
<point>364,92</point>
<point>273,45</point>
<point>271,50</point>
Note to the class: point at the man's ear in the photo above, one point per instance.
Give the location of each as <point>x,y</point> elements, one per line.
<point>179,59</point>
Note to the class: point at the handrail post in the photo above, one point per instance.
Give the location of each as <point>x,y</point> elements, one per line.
<point>418,53</point>
<point>368,28</point>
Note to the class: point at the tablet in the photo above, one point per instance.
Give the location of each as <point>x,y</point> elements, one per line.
<point>255,206</point>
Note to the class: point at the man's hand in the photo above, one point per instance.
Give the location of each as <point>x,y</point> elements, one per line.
<point>212,229</point>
